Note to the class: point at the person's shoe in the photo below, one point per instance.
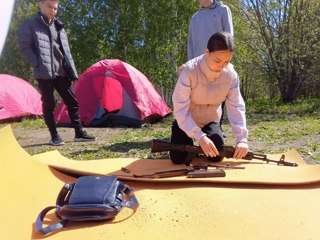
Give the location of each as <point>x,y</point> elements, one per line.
<point>83,136</point>
<point>56,141</point>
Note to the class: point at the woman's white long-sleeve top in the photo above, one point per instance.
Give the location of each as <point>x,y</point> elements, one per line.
<point>198,96</point>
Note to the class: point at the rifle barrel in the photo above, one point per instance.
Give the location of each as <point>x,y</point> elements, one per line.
<point>263,157</point>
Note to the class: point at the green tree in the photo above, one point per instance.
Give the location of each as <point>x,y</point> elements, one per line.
<point>149,35</point>
<point>247,62</point>
<point>11,61</point>
<point>277,49</point>
<point>289,33</point>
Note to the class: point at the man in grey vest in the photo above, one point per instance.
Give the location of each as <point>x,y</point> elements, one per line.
<point>44,44</point>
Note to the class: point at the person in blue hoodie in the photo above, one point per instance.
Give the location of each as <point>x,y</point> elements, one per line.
<point>212,17</point>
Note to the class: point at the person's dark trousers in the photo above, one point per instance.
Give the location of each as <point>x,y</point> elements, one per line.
<point>65,89</point>
<point>178,136</point>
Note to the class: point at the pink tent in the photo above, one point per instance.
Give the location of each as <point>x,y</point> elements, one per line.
<point>18,98</point>
<point>113,93</point>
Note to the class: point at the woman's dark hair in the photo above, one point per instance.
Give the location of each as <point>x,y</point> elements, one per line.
<point>221,41</point>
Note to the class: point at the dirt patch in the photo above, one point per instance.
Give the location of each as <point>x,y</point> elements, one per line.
<point>36,141</point>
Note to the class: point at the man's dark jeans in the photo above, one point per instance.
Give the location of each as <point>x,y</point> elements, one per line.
<point>65,89</point>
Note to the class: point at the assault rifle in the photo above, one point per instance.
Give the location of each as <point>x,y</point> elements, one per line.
<point>227,152</point>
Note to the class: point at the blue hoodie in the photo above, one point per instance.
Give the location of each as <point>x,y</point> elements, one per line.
<point>206,22</point>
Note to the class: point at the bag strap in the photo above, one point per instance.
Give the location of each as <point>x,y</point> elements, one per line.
<point>62,198</point>
<point>132,203</point>
<point>52,227</point>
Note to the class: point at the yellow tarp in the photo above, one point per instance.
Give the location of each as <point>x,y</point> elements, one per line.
<point>255,172</point>
<point>174,210</point>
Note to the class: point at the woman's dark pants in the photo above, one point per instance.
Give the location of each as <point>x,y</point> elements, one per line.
<point>178,136</point>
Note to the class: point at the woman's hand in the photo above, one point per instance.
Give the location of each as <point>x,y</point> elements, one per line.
<point>241,150</point>
<point>208,147</point>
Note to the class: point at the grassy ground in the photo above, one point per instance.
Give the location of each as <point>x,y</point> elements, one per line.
<point>273,128</point>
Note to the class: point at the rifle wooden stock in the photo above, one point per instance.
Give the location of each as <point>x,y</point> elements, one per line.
<point>227,152</point>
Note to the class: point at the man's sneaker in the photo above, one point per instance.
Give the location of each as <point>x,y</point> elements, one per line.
<point>56,141</point>
<point>83,136</point>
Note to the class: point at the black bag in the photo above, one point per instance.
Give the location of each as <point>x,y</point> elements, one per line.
<point>90,198</point>
<point>67,67</point>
